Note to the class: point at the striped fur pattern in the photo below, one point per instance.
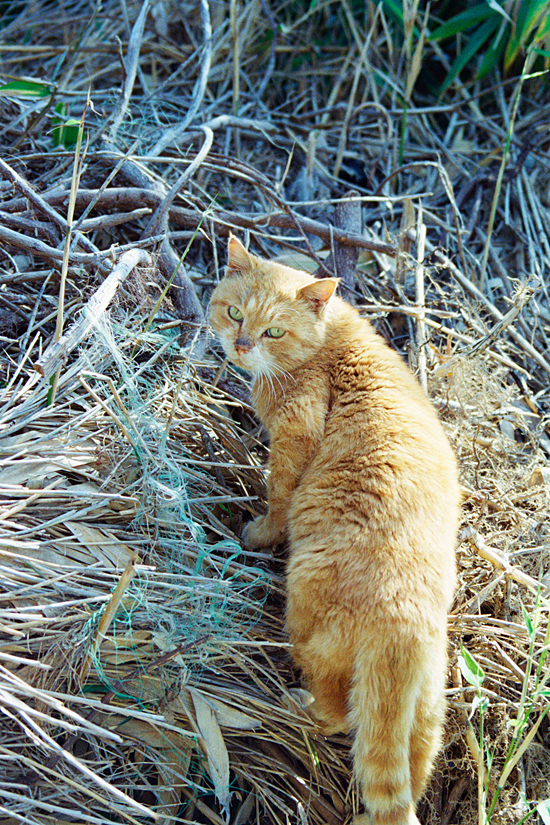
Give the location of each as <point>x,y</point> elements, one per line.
<point>363,484</point>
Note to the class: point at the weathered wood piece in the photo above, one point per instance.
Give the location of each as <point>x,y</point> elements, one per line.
<point>58,352</point>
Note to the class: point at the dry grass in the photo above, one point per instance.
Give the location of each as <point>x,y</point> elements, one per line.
<point>144,668</point>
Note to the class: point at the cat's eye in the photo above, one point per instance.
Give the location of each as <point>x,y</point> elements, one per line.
<point>275,332</point>
<point>235,313</point>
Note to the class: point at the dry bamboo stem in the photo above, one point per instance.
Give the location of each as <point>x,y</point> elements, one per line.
<point>171,135</point>
<point>130,68</point>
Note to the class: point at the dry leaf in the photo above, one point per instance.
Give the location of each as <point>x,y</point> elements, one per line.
<point>104,547</point>
<point>215,749</point>
<point>227,716</point>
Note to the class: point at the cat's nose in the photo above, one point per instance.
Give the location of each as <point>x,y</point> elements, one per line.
<point>243,345</point>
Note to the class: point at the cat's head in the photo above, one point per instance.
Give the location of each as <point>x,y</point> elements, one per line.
<point>269,318</point>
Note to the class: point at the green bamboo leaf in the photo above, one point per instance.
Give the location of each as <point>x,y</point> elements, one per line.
<point>394,10</point>
<point>499,10</point>
<point>470,669</point>
<point>475,43</point>
<point>528,623</point>
<point>462,22</point>
<point>544,27</point>
<point>494,51</point>
<point>25,88</point>
<point>530,14</point>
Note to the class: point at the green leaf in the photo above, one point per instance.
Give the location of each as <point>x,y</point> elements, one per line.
<point>475,43</point>
<point>494,51</point>
<point>49,396</point>
<point>462,22</point>
<point>544,28</point>
<point>478,702</point>
<point>57,123</point>
<point>472,672</point>
<point>542,52</point>
<point>530,13</point>
<point>528,623</point>
<point>499,10</point>
<point>394,10</point>
<point>26,88</point>
<point>65,130</point>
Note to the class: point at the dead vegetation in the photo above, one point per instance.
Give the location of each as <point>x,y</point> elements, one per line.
<point>144,669</point>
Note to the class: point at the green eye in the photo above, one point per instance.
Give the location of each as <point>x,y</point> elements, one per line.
<point>235,313</point>
<point>275,332</point>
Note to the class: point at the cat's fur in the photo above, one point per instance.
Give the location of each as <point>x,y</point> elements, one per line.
<point>363,483</point>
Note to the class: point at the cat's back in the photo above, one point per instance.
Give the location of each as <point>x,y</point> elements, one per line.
<point>384,468</point>
<point>377,407</point>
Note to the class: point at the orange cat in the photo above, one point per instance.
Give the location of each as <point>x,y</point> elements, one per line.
<point>363,483</point>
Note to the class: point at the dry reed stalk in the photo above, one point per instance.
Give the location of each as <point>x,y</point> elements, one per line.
<point>108,615</point>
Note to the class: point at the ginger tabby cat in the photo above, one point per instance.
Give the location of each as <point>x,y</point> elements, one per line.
<point>363,483</point>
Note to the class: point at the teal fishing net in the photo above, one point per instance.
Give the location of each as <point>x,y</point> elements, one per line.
<point>194,591</point>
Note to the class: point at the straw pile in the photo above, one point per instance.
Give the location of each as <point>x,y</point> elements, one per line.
<point>144,668</point>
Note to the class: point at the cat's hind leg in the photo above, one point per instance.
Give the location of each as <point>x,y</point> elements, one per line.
<point>328,679</point>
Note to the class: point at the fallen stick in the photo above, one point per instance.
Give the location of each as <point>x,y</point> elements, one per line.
<point>124,197</point>
<point>46,209</point>
<point>171,135</point>
<point>481,345</point>
<point>108,615</point>
<point>35,246</point>
<point>476,293</point>
<point>58,352</point>
<point>348,217</point>
<point>501,562</point>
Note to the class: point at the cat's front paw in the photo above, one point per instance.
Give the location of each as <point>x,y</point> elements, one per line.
<point>262,533</point>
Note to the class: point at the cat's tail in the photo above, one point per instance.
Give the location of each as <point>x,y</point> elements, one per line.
<point>396,710</point>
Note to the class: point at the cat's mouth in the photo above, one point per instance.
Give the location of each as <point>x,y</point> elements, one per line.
<point>251,361</point>
<point>244,358</point>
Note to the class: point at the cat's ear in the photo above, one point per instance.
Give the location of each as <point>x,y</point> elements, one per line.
<point>318,293</point>
<point>238,259</point>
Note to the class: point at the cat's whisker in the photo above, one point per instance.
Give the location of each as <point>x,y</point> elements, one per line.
<point>264,375</point>
<point>265,380</point>
<point>285,373</point>
<point>270,375</point>
<point>278,380</point>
